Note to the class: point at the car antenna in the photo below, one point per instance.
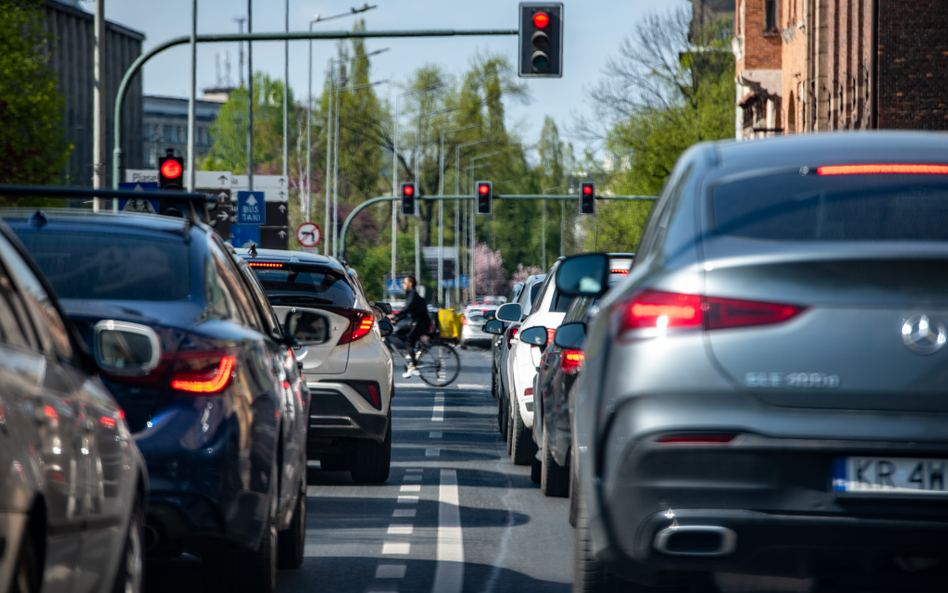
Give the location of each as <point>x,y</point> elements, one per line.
<point>252,251</point>
<point>39,219</point>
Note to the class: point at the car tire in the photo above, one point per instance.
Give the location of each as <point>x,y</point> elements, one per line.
<point>372,460</point>
<point>589,575</point>
<point>522,447</point>
<point>554,478</point>
<point>129,576</point>
<point>536,468</point>
<point>573,492</point>
<point>292,540</point>
<point>26,574</point>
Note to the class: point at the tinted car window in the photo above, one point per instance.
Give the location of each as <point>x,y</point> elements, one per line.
<point>228,273</point>
<point>110,267</point>
<point>14,324</point>
<point>306,283</point>
<point>263,305</point>
<point>812,207</point>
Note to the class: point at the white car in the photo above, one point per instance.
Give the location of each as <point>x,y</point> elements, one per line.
<point>472,328</point>
<point>350,376</point>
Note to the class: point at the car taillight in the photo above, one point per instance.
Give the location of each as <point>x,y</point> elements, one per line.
<point>696,439</point>
<point>664,310</point>
<point>465,322</point>
<point>203,371</point>
<point>360,324</point>
<point>528,392</point>
<point>571,361</point>
<point>511,334</point>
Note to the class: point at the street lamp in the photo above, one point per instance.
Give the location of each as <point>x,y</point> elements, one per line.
<point>441,217</point>
<point>335,166</point>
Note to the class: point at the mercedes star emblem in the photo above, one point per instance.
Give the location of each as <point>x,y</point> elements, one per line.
<point>923,334</point>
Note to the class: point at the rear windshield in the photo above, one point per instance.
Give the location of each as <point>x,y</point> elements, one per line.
<point>111,267</point>
<point>810,207</point>
<point>297,284</point>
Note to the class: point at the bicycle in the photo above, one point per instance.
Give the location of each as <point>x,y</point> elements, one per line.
<point>436,360</point>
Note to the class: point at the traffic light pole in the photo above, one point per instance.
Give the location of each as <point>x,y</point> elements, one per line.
<point>367,203</point>
<point>135,68</point>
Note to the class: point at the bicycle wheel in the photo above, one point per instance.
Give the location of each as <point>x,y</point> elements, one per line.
<point>438,364</point>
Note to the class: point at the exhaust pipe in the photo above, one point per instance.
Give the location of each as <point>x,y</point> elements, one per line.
<point>696,540</point>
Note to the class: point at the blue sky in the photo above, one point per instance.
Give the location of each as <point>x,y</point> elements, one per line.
<point>594,29</point>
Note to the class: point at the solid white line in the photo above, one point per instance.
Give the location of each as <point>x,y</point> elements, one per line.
<point>410,488</point>
<point>434,435</point>
<point>404,513</point>
<point>449,572</point>
<point>407,499</point>
<point>396,548</point>
<point>390,571</point>
<point>432,452</point>
<point>396,529</point>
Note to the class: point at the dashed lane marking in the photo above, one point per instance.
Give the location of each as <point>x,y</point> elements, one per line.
<point>412,478</point>
<point>449,572</point>
<point>397,529</point>
<point>410,488</point>
<point>432,452</point>
<point>402,513</point>
<point>437,414</point>
<point>390,571</point>
<point>407,499</point>
<point>396,548</point>
<point>434,435</point>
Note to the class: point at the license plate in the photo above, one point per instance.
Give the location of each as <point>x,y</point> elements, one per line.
<point>891,476</point>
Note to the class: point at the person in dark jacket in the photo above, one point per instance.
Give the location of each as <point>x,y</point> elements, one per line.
<point>416,307</point>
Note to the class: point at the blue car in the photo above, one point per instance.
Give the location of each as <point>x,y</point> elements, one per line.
<point>220,416</point>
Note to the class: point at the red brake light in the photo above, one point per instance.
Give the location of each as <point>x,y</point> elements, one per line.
<point>664,310</point>
<point>541,20</point>
<point>528,391</point>
<point>571,361</point>
<point>264,265</point>
<point>696,439</point>
<point>623,272</point>
<point>360,324</point>
<point>883,170</point>
<point>107,422</point>
<point>171,169</point>
<point>511,334</point>
<point>202,371</point>
<point>550,334</point>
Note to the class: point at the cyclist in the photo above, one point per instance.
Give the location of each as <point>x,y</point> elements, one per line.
<point>417,309</point>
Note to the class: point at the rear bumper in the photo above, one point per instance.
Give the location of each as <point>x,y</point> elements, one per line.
<point>333,415</point>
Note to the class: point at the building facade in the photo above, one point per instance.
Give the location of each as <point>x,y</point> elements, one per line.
<point>841,65</point>
<point>166,126</point>
<point>71,56</point>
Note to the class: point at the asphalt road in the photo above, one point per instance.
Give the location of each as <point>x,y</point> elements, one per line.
<point>456,514</point>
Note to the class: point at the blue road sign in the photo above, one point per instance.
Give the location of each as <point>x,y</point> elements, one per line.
<point>245,234</point>
<point>465,281</point>
<point>251,208</point>
<point>138,204</point>
<point>394,287</point>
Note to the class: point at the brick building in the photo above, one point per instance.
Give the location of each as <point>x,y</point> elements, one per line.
<point>816,65</point>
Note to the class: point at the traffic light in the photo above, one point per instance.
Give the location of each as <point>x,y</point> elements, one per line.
<point>170,171</point>
<point>485,194</point>
<point>409,192</point>
<point>541,39</point>
<point>587,198</point>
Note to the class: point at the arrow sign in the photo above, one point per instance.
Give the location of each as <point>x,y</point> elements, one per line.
<point>308,234</point>
<point>223,216</point>
<point>250,208</point>
<point>282,234</point>
<point>282,208</point>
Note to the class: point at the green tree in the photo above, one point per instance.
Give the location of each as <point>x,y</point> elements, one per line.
<point>32,141</point>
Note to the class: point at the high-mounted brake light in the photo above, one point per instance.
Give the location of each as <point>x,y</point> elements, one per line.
<point>652,309</point>
<point>202,372</point>
<point>257,264</point>
<point>360,324</point>
<point>696,439</point>
<point>550,334</point>
<point>883,170</point>
<point>623,272</point>
<point>571,361</point>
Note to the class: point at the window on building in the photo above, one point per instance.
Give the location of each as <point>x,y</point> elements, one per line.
<point>169,134</point>
<point>770,15</point>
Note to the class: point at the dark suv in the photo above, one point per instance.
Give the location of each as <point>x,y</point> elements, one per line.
<point>221,415</point>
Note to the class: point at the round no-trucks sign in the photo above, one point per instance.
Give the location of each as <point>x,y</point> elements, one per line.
<point>308,234</point>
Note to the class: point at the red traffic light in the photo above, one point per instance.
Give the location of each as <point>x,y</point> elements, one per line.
<point>484,189</point>
<point>541,20</point>
<point>171,169</point>
<point>588,190</point>
<point>408,190</point>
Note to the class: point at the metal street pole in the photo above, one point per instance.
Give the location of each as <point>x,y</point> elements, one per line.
<point>457,214</point>
<point>99,101</point>
<point>191,96</point>
<point>286,96</point>
<point>240,23</point>
<point>441,215</point>
<point>543,249</point>
<point>473,225</point>
<point>335,166</point>
<point>250,97</point>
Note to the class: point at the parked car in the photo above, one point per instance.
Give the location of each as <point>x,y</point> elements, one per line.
<point>219,412</point>
<point>765,393</point>
<point>496,346</point>
<point>75,484</point>
<point>526,298</point>
<point>472,326</point>
<point>351,375</point>
<point>559,367</point>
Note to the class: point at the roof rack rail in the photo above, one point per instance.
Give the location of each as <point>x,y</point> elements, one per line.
<point>194,202</point>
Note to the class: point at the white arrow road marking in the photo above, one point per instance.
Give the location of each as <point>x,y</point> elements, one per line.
<point>449,573</point>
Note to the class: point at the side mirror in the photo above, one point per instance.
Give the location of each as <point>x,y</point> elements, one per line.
<point>127,349</point>
<point>490,315</point>
<point>583,275</point>
<point>535,336</point>
<point>385,326</point>
<point>510,312</point>
<point>495,327</point>
<point>305,328</point>
<point>570,336</point>
<point>383,307</point>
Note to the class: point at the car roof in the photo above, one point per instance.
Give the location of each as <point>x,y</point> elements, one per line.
<point>106,221</point>
<point>296,257</point>
<point>834,148</point>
